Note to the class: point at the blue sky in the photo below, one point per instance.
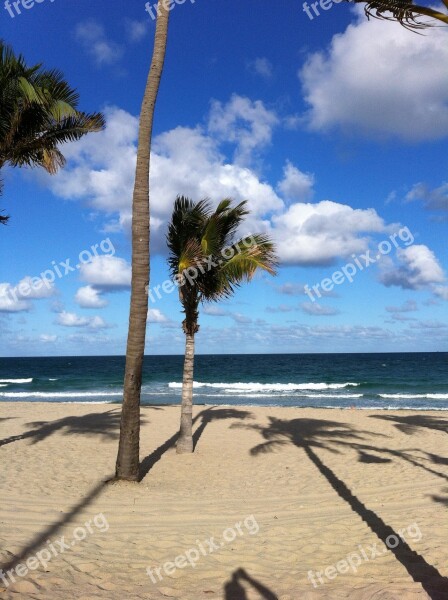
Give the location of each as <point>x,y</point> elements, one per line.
<point>334,129</point>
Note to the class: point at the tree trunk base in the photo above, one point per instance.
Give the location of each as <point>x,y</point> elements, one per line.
<point>184,447</point>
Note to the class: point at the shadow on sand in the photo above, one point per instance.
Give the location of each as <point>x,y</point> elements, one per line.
<point>104,424</point>
<point>310,434</point>
<point>40,541</point>
<point>234,590</point>
<point>204,418</point>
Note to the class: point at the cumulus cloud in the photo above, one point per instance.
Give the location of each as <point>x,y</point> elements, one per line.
<point>93,39</point>
<point>378,79</point>
<point>319,234</point>
<point>156,316</point>
<point>106,273</point>
<point>417,268</point>
<point>247,124</point>
<point>68,319</point>
<point>189,160</point>
<point>295,185</point>
<point>16,298</point>
<point>89,297</point>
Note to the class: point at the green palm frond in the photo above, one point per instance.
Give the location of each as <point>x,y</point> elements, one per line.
<point>38,113</point>
<point>405,12</point>
<point>205,240</point>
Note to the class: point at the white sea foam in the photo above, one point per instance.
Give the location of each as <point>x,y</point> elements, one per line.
<point>58,394</point>
<point>29,380</point>
<point>418,396</point>
<point>237,388</point>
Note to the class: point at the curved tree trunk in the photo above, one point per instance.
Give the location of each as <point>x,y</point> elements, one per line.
<point>128,458</point>
<point>185,443</point>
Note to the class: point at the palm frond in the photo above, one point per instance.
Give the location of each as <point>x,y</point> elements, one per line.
<point>204,239</point>
<point>38,113</point>
<point>405,12</point>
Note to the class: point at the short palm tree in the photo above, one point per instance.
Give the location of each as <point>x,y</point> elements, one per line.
<point>208,264</point>
<point>38,112</point>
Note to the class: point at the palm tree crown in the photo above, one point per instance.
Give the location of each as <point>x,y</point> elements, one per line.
<point>38,112</point>
<point>207,261</point>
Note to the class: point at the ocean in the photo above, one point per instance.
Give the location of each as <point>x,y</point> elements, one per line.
<point>417,381</point>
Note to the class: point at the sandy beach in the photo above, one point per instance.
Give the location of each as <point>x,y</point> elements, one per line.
<point>280,503</point>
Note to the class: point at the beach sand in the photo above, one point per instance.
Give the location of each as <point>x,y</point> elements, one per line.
<point>299,489</point>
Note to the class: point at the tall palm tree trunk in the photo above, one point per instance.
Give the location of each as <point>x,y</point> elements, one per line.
<point>185,443</point>
<point>127,466</point>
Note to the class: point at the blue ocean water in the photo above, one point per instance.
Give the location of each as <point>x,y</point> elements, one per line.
<point>416,381</point>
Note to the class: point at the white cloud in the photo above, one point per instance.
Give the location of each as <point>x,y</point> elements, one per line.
<point>261,66</point>
<point>295,185</point>
<point>107,273</point>
<point>10,301</point>
<point>247,124</point>
<point>215,311</point>
<point>441,291</point>
<point>319,234</point>
<point>317,310</point>
<point>408,306</point>
<point>417,268</point>
<point>156,316</point>
<point>379,79</point>
<point>17,298</point>
<point>68,319</point>
<point>135,30</point>
<point>436,199</point>
<point>46,338</point>
<point>89,297</point>
<point>93,38</point>
<point>282,308</point>
<point>189,161</point>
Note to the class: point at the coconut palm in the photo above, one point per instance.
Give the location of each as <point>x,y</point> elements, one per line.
<point>405,12</point>
<point>38,113</point>
<point>127,466</point>
<point>208,265</point>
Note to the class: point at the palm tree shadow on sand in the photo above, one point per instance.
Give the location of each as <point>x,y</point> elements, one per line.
<point>234,590</point>
<point>204,418</point>
<point>309,434</point>
<point>41,539</point>
<point>104,424</point>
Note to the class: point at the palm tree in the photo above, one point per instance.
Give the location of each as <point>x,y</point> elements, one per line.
<point>208,265</point>
<point>38,112</point>
<point>127,466</point>
<point>405,12</point>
